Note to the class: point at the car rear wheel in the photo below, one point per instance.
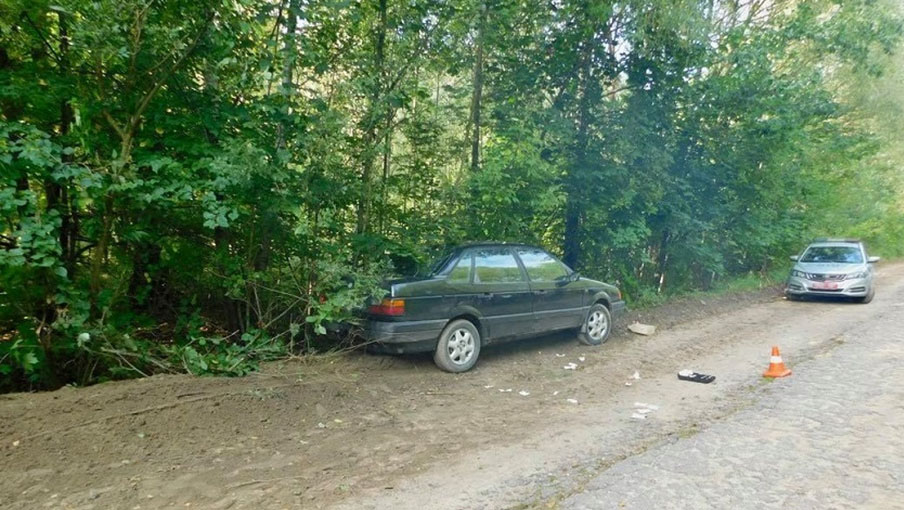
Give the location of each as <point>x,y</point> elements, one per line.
<point>597,326</point>
<point>458,346</point>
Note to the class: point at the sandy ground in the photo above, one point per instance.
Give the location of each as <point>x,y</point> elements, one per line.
<point>362,431</point>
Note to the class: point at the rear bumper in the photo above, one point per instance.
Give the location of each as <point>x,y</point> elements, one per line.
<point>403,336</point>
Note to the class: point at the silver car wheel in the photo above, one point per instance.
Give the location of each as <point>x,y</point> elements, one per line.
<point>597,325</point>
<point>460,346</point>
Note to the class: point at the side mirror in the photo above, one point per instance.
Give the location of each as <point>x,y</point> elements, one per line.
<point>795,257</point>
<point>570,277</point>
<point>873,260</point>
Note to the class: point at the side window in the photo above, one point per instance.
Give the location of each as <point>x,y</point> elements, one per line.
<point>496,265</point>
<point>461,273</point>
<point>540,265</point>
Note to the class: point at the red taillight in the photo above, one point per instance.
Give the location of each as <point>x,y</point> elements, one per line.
<point>388,307</point>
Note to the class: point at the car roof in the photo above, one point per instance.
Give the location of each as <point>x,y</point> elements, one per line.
<point>496,244</point>
<point>835,244</point>
<point>836,240</point>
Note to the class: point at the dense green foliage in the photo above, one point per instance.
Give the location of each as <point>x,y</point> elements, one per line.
<point>201,184</point>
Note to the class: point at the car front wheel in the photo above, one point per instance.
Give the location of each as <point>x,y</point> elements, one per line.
<point>597,326</point>
<point>458,347</point>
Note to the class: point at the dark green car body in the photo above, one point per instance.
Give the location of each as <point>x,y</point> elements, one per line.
<point>536,294</point>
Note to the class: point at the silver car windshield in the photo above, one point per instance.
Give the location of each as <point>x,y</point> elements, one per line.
<point>833,254</point>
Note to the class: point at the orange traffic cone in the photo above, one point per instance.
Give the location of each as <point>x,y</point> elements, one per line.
<point>777,367</point>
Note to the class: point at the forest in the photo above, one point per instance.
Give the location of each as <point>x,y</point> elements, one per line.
<point>200,185</point>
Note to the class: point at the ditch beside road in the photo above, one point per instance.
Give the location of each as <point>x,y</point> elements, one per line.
<point>520,431</point>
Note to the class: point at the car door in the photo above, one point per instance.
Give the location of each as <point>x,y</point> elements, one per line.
<point>557,301</point>
<point>501,292</point>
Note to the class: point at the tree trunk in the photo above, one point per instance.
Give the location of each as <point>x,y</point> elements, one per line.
<point>69,225</point>
<point>288,81</point>
<point>477,94</point>
<point>573,204</point>
<point>663,261</point>
<point>372,122</point>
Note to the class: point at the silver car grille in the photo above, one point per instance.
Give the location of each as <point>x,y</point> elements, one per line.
<point>817,277</point>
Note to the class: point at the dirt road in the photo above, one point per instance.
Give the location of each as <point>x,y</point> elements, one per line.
<point>361,431</point>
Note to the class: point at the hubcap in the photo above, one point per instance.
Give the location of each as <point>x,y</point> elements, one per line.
<point>597,325</point>
<point>460,346</point>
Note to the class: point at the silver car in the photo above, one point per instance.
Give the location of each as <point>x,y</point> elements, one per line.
<point>833,267</point>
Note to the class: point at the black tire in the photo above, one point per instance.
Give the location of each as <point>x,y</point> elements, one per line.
<point>458,347</point>
<point>593,332</point>
<point>867,298</point>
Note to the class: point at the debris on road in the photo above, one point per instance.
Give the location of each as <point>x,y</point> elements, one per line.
<point>642,329</point>
<point>690,375</point>
<point>507,390</point>
<point>488,386</point>
<point>642,410</point>
<point>524,393</point>
<point>581,358</point>
<point>560,355</point>
<point>570,366</point>
<point>572,400</point>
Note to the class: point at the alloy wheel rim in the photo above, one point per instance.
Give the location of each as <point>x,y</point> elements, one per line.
<point>597,325</point>
<point>460,346</point>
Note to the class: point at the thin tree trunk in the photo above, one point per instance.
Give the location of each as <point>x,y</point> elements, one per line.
<point>477,94</point>
<point>69,224</point>
<point>573,205</point>
<point>372,121</point>
<point>288,82</point>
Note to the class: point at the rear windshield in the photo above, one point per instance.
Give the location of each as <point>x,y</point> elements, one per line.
<point>833,254</point>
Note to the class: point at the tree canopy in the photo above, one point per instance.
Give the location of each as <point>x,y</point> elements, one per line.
<point>200,184</point>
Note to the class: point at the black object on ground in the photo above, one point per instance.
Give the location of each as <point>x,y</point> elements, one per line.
<point>687,375</point>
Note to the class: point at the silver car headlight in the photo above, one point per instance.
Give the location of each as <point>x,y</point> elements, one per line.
<point>799,274</point>
<point>857,275</point>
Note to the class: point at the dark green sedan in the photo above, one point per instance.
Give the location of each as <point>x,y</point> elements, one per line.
<point>486,293</point>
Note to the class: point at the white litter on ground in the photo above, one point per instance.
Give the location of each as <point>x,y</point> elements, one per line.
<point>507,390</point>
<point>570,366</point>
<point>571,401</point>
<point>555,393</point>
<point>582,358</point>
<point>636,375</point>
<point>637,416</point>
<point>642,329</point>
<point>524,393</point>
<point>488,386</point>
<point>652,407</point>
<point>628,383</point>
<point>560,355</point>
